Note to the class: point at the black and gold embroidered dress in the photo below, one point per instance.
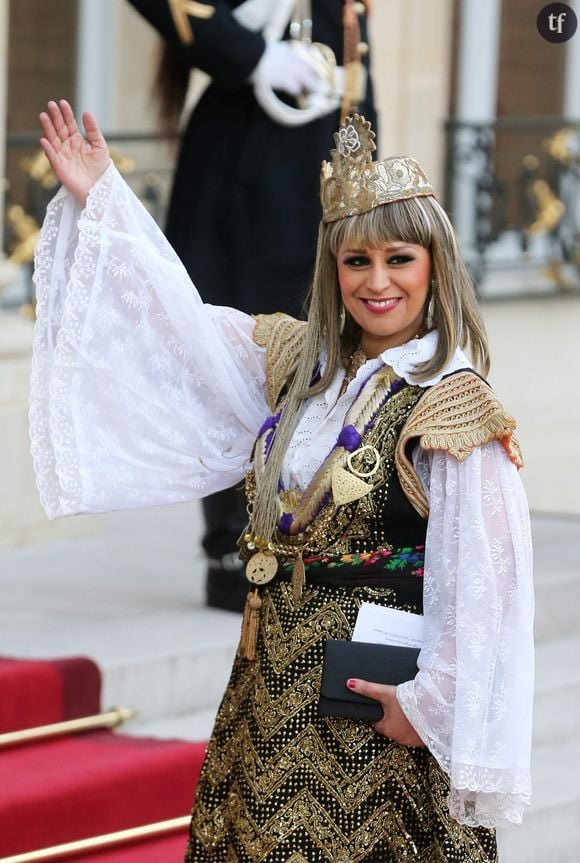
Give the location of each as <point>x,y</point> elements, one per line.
<point>282,784</point>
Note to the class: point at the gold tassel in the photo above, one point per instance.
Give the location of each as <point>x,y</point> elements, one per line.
<point>250,625</point>
<point>298,578</point>
<point>245,624</point>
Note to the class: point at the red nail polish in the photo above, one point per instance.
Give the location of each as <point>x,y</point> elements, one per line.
<point>351,684</point>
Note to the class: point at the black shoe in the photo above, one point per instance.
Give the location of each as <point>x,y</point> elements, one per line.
<point>226,586</point>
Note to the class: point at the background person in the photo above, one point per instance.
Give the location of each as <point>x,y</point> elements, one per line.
<point>243,213</point>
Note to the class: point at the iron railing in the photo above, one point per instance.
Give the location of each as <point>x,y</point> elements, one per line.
<point>513,190</point>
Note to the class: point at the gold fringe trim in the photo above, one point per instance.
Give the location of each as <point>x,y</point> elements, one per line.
<point>457,415</point>
<point>283,337</point>
<point>265,325</point>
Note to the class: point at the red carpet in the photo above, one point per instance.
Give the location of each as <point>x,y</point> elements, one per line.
<point>46,691</point>
<point>68,788</point>
<point>75,787</point>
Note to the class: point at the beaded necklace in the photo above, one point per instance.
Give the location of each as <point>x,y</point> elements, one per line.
<point>374,391</point>
<point>336,476</point>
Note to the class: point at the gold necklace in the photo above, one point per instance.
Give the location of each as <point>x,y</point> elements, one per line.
<point>356,362</point>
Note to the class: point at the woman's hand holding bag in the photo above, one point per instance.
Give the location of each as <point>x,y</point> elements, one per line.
<point>394,723</point>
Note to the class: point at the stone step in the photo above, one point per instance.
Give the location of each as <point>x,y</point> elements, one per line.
<point>194,726</point>
<point>556,576</point>
<point>176,662</point>
<point>162,664</point>
<point>557,606</point>
<point>557,692</point>
<point>551,829</point>
<point>187,673</point>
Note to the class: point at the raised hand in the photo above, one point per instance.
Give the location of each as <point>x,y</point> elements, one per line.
<point>77,161</point>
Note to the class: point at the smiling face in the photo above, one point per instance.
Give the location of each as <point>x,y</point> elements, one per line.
<point>385,291</point>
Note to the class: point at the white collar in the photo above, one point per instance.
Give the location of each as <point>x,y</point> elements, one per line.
<point>404,358</point>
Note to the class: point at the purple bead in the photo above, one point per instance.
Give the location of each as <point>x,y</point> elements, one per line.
<point>349,438</point>
<point>285,522</point>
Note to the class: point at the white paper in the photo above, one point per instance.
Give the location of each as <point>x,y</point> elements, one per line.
<point>380,625</point>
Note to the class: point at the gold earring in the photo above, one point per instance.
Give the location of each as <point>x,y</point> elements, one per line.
<point>341,320</point>
<point>430,316</point>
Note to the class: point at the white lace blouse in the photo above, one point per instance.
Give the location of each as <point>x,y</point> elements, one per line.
<point>142,395</point>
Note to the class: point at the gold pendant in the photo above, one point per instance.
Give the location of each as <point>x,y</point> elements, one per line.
<point>365,453</point>
<point>347,488</point>
<point>261,567</point>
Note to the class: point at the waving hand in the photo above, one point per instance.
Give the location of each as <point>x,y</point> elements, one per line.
<point>77,161</point>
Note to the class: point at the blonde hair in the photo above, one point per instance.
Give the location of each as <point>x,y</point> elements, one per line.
<point>455,315</point>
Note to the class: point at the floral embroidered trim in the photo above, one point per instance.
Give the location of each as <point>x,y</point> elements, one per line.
<point>53,457</point>
<point>391,560</point>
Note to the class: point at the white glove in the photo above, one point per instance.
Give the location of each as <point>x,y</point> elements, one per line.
<point>281,67</point>
<point>308,71</point>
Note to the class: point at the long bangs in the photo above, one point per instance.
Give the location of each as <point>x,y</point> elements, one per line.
<point>408,221</point>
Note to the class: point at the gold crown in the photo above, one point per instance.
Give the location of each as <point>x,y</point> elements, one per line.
<point>354,184</point>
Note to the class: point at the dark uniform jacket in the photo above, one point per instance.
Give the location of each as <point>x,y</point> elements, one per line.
<point>244,209</point>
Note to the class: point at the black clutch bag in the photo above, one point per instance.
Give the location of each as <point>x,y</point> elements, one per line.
<point>377,663</point>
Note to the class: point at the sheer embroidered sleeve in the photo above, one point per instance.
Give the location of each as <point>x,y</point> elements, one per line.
<point>471,701</point>
<point>141,394</point>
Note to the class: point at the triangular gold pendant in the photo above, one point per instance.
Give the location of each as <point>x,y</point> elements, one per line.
<point>346,487</point>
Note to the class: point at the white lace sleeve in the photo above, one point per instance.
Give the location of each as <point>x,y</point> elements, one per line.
<point>471,701</point>
<point>140,393</point>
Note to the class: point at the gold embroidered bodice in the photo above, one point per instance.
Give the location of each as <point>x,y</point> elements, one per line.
<point>455,415</point>
<point>377,520</point>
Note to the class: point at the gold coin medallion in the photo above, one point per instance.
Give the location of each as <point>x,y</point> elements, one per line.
<point>261,567</point>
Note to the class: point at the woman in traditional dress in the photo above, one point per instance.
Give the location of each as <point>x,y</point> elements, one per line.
<point>379,468</point>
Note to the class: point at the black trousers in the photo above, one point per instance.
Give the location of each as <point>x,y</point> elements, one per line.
<point>226,586</point>
<point>225,519</point>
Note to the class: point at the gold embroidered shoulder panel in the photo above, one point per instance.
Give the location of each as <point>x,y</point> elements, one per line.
<point>457,415</point>
<point>283,337</point>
